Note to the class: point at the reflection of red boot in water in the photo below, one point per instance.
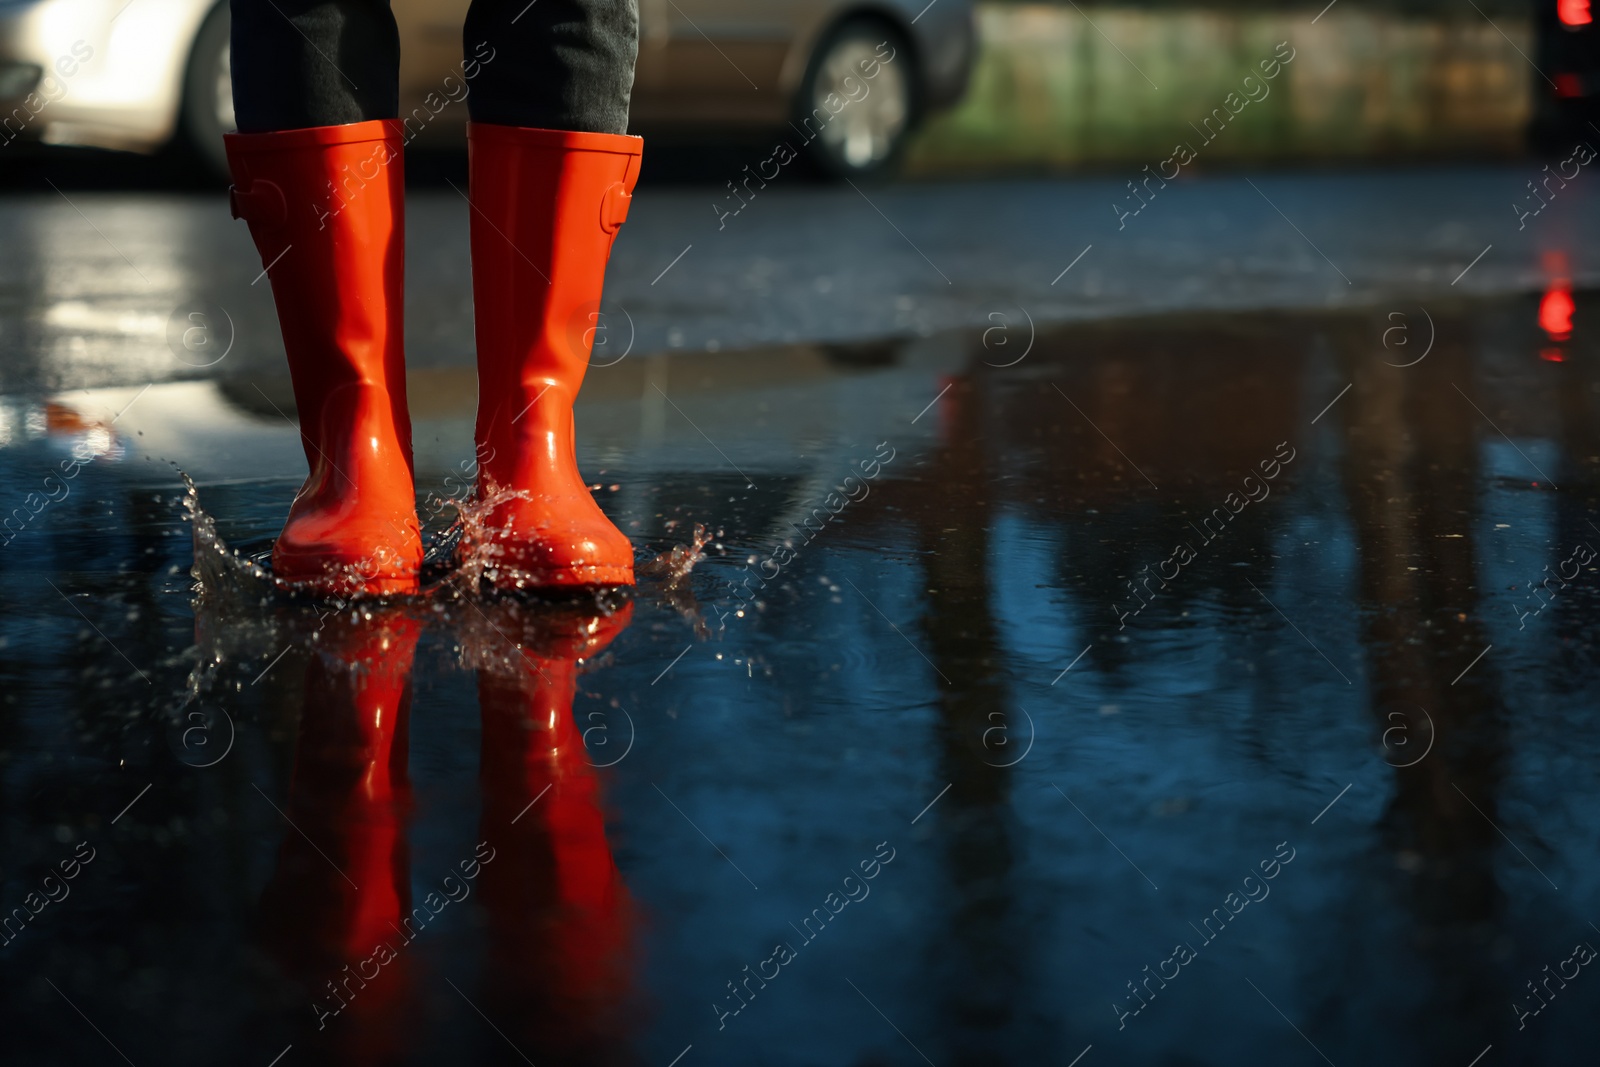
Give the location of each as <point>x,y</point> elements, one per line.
<point>340,889</point>
<point>559,914</point>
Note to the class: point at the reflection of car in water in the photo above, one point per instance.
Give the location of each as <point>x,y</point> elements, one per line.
<point>138,76</point>
<point>1567,79</point>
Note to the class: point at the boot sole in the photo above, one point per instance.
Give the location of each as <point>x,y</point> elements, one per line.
<point>323,578</point>
<point>558,577</point>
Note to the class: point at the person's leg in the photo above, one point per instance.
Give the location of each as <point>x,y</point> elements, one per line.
<point>557,64</point>
<point>318,175</point>
<point>551,177</point>
<point>302,63</point>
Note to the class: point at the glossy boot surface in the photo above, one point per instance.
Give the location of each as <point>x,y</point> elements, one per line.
<point>325,208</point>
<point>546,206</point>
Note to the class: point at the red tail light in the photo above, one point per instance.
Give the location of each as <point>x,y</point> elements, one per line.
<point>1573,12</point>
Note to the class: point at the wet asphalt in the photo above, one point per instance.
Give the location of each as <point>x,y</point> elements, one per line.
<point>96,281</point>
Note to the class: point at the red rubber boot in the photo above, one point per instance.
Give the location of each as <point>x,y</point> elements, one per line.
<point>325,207</point>
<point>546,205</point>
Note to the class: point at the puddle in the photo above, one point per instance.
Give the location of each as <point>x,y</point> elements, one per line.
<point>999,680</point>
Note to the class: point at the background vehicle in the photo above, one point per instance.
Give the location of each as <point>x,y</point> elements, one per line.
<point>140,76</point>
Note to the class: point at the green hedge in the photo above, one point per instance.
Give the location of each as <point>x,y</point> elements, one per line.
<point>1051,90</point>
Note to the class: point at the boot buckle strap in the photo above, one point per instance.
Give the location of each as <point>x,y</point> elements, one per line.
<point>614,207</point>
<point>260,202</point>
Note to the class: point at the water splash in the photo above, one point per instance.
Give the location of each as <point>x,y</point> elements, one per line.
<point>221,575</point>
<point>240,609</point>
<point>673,566</point>
<point>669,573</point>
<point>230,587</point>
<point>472,532</point>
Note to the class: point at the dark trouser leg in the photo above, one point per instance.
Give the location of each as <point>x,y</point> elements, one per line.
<point>303,63</point>
<point>555,64</point>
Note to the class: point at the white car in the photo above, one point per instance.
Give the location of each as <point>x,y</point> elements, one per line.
<point>138,75</point>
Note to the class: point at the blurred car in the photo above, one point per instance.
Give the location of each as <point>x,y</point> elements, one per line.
<point>139,75</point>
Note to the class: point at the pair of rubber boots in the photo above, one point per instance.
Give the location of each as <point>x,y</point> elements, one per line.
<point>325,207</point>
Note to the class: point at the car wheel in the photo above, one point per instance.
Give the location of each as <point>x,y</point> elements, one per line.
<point>866,133</point>
<point>208,94</point>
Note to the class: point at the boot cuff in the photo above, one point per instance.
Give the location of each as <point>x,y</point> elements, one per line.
<point>315,136</point>
<point>530,137</point>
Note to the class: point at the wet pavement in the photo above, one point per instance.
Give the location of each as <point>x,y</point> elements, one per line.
<point>102,287</point>
<point>1195,689</point>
